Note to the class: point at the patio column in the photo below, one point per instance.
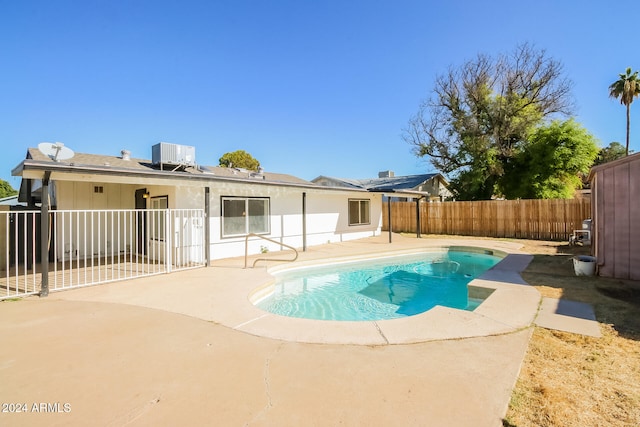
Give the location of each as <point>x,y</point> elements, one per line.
<point>418,216</point>
<point>207,225</point>
<point>304,221</point>
<point>389,216</point>
<point>44,234</point>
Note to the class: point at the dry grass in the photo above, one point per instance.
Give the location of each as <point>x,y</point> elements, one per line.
<point>573,380</point>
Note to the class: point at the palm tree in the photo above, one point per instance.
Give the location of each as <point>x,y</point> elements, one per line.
<point>626,88</point>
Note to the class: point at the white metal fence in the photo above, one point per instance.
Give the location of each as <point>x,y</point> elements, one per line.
<point>96,246</point>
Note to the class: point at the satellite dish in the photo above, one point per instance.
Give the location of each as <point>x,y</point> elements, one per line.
<point>55,151</point>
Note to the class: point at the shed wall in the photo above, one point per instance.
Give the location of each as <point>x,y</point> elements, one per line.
<point>616,213</point>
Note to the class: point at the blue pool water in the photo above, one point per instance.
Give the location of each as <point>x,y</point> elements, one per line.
<point>385,288</point>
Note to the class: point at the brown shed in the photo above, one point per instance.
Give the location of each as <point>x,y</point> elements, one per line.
<point>615,206</point>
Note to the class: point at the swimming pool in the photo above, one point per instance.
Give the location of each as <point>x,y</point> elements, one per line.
<point>384,288</point>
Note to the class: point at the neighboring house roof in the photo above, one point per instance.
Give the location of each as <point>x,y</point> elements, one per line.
<point>36,163</point>
<point>389,184</point>
<point>10,201</point>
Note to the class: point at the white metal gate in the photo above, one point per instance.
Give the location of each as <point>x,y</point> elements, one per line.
<point>89,247</point>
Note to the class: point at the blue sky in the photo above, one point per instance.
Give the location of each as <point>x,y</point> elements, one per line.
<point>307,87</point>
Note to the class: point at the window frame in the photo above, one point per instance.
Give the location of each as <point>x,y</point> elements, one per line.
<point>367,220</point>
<point>247,218</point>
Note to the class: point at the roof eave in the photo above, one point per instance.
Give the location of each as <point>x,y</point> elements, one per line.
<point>17,171</point>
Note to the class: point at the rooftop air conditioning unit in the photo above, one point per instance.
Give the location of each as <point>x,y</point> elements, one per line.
<point>175,155</point>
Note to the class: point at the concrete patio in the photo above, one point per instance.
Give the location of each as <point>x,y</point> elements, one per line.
<point>190,348</point>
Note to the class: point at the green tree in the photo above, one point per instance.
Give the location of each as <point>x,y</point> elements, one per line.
<point>552,165</point>
<point>6,189</point>
<point>611,152</point>
<point>626,88</point>
<point>239,159</point>
<point>480,114</point>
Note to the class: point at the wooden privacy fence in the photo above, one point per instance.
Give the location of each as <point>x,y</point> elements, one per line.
<point>542,219</point>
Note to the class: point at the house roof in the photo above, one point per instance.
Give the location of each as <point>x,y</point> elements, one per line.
<point>389,184</point>
<point>36,164</point>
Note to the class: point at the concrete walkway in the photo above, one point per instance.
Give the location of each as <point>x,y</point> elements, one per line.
<point>569,316</point>
<point>171,350</point>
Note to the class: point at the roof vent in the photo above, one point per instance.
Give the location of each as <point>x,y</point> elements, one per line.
<point>126,154</point>
<point>259,174</point>
<point>175,155</point>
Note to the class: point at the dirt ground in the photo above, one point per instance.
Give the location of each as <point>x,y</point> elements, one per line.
<point>574,380</point>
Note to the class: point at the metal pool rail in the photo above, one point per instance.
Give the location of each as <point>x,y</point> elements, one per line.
<point>246,250</point>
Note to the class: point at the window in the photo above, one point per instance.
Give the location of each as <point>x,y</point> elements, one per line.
<point>359,212</point>
<point>158,206</point>
<point>241,216</point>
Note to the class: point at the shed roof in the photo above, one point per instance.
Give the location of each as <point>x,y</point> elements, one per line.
<point>612,164</point>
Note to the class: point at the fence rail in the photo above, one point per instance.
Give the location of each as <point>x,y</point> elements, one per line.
<point>543,219</point>
<point>88,247</point>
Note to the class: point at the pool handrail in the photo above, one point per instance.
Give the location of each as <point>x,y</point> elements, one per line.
<point>246,250</point>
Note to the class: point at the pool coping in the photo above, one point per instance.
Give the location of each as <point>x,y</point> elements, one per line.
<point>221,294</point>
<point>512,306</point>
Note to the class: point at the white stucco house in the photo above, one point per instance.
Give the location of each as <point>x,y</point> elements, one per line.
<point>235,202</point>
